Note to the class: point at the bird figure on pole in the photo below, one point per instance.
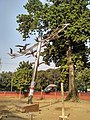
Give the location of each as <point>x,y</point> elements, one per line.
<point>23,46</point>
<point>13,55</point>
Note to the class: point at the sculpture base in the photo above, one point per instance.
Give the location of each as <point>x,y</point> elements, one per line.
<point>63,118</point>
<point>25,108</point>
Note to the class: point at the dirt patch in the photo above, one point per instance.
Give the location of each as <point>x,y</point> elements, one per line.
<point>49,109</point>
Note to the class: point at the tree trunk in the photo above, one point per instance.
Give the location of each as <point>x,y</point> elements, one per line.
<point>72,91</point>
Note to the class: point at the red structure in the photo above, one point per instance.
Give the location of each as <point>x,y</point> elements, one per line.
<point>57,95</point>
<point>9,94</point>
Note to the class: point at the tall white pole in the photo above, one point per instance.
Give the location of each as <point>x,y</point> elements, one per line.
<point>31,92</point>
<point>63,117</point>
<point>62,92</point>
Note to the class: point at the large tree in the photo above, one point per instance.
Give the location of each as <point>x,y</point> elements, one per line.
<point>70,48</point>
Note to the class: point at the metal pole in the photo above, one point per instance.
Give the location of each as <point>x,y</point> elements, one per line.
<point>31,92</point>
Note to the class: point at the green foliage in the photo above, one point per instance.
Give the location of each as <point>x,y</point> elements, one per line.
<point>41,80</point>
<point>77,14</point>
<point>83,79</point>
<point>30,22</point>
<point>52,76</point>
<point>22,77</point>
<point>42,17</point>
<point>5,81</point>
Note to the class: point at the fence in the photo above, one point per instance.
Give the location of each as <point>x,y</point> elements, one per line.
<point>57,95</point>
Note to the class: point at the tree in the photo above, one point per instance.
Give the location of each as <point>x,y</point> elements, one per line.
<point>70,48</point>
<point>52,76</point>
<point>41,80</point>
<point>83,79</point>
<point>22,76</point>
<point>5,81</point>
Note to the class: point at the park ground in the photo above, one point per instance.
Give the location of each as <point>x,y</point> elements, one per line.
<point>49,109</point>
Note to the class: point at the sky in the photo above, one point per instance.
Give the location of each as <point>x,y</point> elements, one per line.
<point>9,36</point>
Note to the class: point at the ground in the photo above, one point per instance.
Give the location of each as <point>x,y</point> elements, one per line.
<point>49,109</point>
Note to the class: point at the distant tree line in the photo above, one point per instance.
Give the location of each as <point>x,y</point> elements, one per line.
<point>20,79</point>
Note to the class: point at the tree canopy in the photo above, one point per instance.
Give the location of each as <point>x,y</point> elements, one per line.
<point>50,16</point>
<point>83,79</point>
<point>22,77</point>
<point>5,81</point>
